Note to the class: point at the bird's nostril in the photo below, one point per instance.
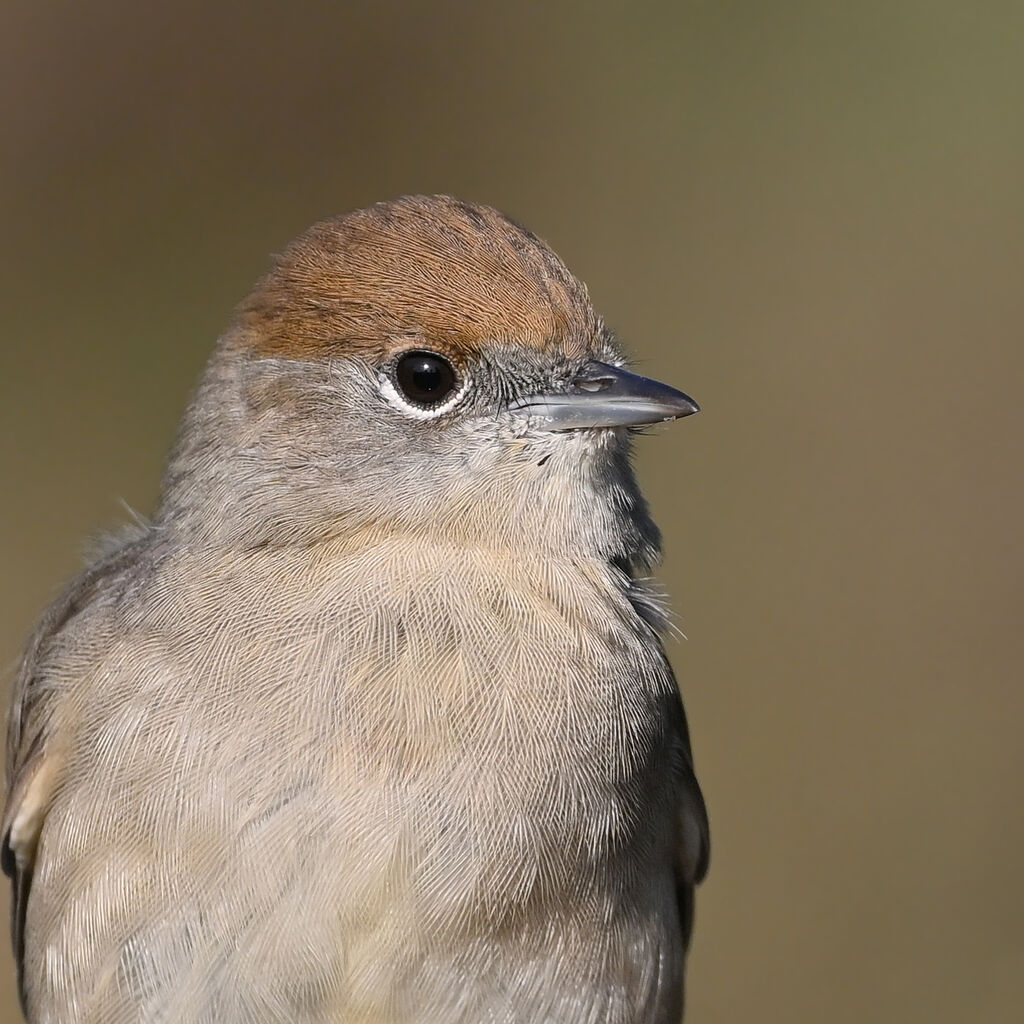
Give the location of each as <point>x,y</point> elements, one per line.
<point>594,385</point>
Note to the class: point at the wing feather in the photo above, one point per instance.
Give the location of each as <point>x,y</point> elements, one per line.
<point>33,762</point>
<point>693,842</point>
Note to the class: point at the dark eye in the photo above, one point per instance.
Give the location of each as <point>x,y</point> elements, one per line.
<point>425,378</point>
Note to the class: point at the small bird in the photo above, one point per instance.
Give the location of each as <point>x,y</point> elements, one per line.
<point>372,724</point>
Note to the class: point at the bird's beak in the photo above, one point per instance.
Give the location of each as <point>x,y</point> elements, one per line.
<point>602,395</point>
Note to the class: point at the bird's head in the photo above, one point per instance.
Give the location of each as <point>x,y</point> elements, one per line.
<point>426,366</point>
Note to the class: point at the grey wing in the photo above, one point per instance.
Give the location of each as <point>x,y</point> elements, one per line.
<point>33,763</point>
<point>693,841</point>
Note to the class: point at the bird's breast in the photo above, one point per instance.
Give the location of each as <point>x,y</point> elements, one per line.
<point>387,749</point>
<point>465,701</point>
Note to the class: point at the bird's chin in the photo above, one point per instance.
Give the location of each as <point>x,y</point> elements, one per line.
<point>597,439</point>
<point>575,451</point>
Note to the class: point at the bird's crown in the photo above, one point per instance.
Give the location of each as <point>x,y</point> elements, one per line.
<point>426,270</point>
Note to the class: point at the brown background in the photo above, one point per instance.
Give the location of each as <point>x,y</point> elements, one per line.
<point>809,216</point>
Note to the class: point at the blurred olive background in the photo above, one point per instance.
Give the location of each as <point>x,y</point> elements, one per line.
<point>807,215</point>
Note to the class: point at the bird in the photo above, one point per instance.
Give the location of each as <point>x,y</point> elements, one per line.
<point>372,721</point>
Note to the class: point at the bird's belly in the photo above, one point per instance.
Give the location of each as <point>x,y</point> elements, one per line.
<point>410,909</point>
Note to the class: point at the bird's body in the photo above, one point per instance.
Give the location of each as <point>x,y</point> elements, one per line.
<point>405,759</point>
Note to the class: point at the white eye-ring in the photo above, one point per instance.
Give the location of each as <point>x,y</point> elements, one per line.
<point>423,385</point>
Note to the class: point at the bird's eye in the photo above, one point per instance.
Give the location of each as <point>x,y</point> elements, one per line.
<point>425,378</point>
